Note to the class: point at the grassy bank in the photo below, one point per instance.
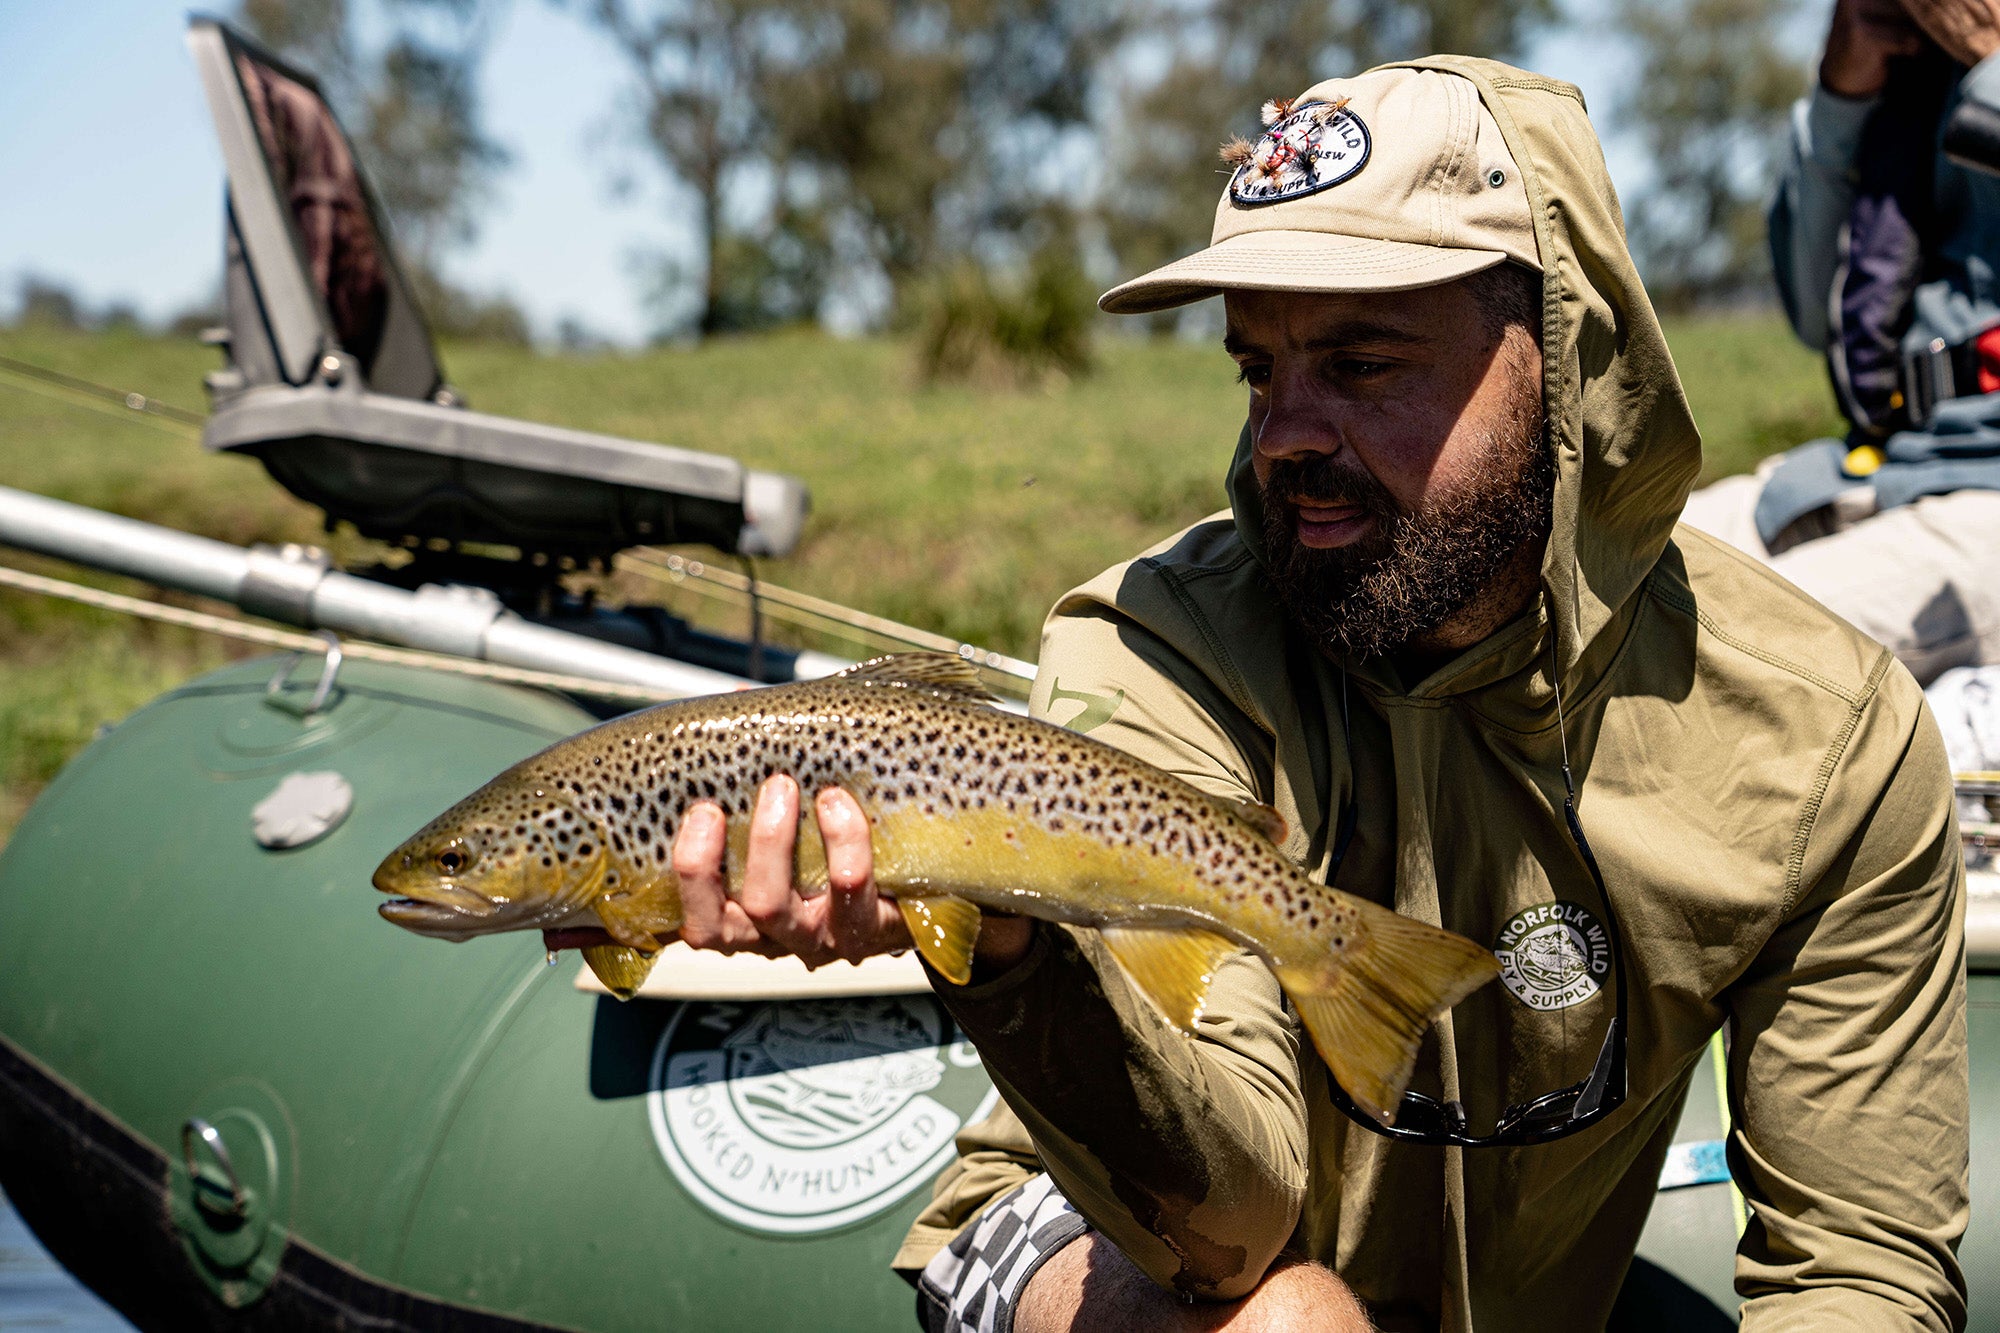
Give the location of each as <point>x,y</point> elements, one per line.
<point>964,510</point>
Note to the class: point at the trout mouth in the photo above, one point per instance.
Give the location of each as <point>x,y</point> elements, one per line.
<point>443,910</point>
<point>432,919</point>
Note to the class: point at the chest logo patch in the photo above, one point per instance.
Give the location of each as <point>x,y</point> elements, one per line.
<point>1553,956</point>
<point>796,1118</point>
<point>1304,150</point>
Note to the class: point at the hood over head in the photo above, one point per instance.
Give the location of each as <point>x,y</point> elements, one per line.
<point>1626,448</point>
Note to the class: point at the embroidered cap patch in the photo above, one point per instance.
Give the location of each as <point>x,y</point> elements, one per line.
<point>1306,148</point>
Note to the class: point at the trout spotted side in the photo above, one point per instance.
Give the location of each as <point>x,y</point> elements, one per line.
<point>969,807</point>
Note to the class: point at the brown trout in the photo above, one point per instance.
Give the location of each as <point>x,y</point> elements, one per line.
<point>969,807</point>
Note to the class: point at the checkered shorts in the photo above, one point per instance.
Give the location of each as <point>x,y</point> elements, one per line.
<point>973,1283</point>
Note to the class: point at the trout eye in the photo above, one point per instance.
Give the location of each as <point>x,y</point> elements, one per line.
<point>451,860</point>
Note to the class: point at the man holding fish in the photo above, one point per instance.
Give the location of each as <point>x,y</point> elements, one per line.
<point>1449,655</point>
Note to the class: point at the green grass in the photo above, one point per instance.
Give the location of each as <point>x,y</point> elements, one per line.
<point>963,510</point>
<point>1754,390</point>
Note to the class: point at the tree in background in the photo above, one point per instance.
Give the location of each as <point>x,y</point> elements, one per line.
<point>48,303</point>
<point>429,160</point>
<point>701,69</point>
<point>1220,62</point>
<point>886,139</point>
<point>1710,106</point>
<point>412,111</point>
<point>935,132</point>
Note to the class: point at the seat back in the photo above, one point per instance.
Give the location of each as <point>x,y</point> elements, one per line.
<point>310,269</point>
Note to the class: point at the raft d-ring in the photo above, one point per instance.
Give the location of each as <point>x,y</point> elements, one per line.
<point>329,670</point>
<point>206,1191</point>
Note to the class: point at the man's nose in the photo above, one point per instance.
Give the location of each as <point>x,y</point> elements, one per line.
<point>1294,421</point>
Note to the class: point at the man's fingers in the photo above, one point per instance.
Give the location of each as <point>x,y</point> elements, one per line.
<point>699,850</point>
<point>768,916</point>
<point>850,855</point>
<point>770,900</point>
<point>768,896</point>
<point>739,926</point>
<point>860,922</point>
<point>854,911</point>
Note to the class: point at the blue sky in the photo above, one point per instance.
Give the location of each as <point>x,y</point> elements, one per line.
<point>111,183</point>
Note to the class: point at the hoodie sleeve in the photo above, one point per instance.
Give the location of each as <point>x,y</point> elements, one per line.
<point>1190,1154</point>
<point>1848,1077</point>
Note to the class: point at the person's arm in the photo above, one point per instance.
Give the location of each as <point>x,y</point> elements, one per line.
<point>1188,1153</point>
<point>1817,189</point>
<point>1848,1082</point>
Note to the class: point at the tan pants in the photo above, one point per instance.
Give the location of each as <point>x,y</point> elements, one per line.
<point>1922,579</point>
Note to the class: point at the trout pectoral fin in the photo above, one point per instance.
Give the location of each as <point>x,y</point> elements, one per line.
<point>1367,1007</point>
<point>1171,966</point>
<point>622,970</point>
<point>944,930</point>
<point>640,913</point>
<point>635,922</point>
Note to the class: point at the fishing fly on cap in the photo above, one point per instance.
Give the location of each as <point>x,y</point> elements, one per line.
<point>1307,147</point>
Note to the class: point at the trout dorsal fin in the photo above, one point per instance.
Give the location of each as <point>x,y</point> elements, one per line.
<point>943,674</point>
<point>1264,818</point>
<point>1171,966</point>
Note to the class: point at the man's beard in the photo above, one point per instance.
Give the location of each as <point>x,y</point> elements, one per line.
<point>1413,571</point>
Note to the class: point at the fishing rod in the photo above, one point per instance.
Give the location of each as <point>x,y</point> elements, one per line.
<point>811,612</point>
<point>131,401</point>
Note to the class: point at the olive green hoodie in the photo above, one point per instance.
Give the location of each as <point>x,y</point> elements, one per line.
<point>1765,792</point>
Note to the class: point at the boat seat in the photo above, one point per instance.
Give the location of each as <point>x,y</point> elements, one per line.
<point>335,385</point>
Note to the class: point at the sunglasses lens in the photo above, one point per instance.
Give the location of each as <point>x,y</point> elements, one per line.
<point>1538,1118</point>
<point>1418,1114</point>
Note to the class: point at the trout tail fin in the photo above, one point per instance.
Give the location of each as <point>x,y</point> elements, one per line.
<point>622,970</point>
<point>1367,1009</point>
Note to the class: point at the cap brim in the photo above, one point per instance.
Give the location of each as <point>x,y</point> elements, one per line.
<point>1295,261</point>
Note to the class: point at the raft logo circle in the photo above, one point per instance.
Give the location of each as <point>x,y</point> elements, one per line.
<point>801,1116</point>
<point>1553,955</point>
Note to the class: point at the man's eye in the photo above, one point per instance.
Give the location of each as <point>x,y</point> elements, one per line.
<point>1254,375</point>
<point>1354,368</point>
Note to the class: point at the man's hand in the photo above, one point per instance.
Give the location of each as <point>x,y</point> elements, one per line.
<point>1968,30</point>
<point>849,921</point>
<point>1865,36</point>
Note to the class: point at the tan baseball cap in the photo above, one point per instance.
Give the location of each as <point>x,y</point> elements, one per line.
<point>1393,179</point>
